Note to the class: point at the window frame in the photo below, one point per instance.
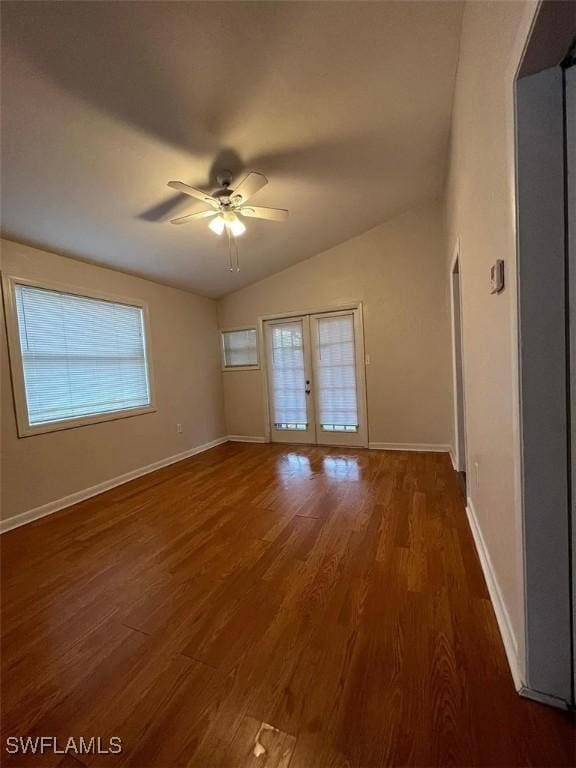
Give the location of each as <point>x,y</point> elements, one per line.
<point>24,428</point>
<point>255,366</point>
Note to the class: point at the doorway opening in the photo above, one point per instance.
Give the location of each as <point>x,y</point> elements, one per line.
<point>316,379</point>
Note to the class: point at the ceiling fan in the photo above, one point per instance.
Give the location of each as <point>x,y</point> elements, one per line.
<point>227,203</point>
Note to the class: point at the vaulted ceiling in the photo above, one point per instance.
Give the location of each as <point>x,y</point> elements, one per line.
<point>345,106</point>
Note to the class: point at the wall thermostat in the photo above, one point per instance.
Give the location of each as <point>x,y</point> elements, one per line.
<point>497,277</point>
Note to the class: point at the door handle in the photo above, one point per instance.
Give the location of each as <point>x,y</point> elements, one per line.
<point>307,386</point>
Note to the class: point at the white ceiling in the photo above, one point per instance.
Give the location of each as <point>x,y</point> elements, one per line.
<point>345,106</point>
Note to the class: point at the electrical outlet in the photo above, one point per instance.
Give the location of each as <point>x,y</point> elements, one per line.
<point>179,428</point>
<point>477,474</point>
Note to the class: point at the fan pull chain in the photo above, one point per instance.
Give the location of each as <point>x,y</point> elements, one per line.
<point>229,238</point>
<point>232,252</point>
<point>237,260</point>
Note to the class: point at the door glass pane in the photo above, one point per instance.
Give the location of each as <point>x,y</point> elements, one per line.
<point>336,374</point>
<point>288,376</point>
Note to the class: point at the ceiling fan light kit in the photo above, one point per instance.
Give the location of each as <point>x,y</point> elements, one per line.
<point>225,205</point>
<point>230,222</point>
<point>236,227</point>
<point>217,225</point>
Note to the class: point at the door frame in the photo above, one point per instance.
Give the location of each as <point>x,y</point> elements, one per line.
<point>361,353</point>
<point>539,313</point>
<point>460,452</point>
<point>569,74</point>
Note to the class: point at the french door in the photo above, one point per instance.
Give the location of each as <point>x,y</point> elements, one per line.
<point>315,369</point>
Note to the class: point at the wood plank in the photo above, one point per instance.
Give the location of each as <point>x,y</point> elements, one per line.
<point>332,594</point>
<point>256,745</point>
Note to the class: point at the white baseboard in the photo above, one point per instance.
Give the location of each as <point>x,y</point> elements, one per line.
<point>421,447</point>
<point>453,458</point>
<point>543,698</point>
<point>504,623</point>
<point>74,498</point>
<point>246,439</point>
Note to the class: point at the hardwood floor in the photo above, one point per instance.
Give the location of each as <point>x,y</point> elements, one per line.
<point>321,607</point>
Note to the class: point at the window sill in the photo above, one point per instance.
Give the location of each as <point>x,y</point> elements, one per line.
<point>27,430</point>
<point>241,368</point>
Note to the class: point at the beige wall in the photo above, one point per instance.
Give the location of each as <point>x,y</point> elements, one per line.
<point>481,212</point>
<point>185,350</point>
<point>398,271</point>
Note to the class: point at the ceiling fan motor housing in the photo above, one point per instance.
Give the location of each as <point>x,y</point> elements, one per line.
<point>224,179</point>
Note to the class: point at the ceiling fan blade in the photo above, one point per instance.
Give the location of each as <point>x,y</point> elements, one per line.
<point>271,214</point>
<point>179,186</point>
<point>249,186</point>
<point>193,216</point>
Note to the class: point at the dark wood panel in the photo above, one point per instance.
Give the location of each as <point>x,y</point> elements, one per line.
<point>325,604</point>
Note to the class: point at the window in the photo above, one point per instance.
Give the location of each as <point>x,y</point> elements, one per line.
<point>240,348</point>
<point>76,359</point>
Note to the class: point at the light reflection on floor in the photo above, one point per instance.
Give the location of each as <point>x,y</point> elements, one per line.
<point>298,465</point>
<point>341,467</point>
<point>295,464</point>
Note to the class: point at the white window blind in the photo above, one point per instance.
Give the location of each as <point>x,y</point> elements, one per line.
<point>240,348</point>
<point>80,356</point>
<point>288,377</point>
<point>336,374</point>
